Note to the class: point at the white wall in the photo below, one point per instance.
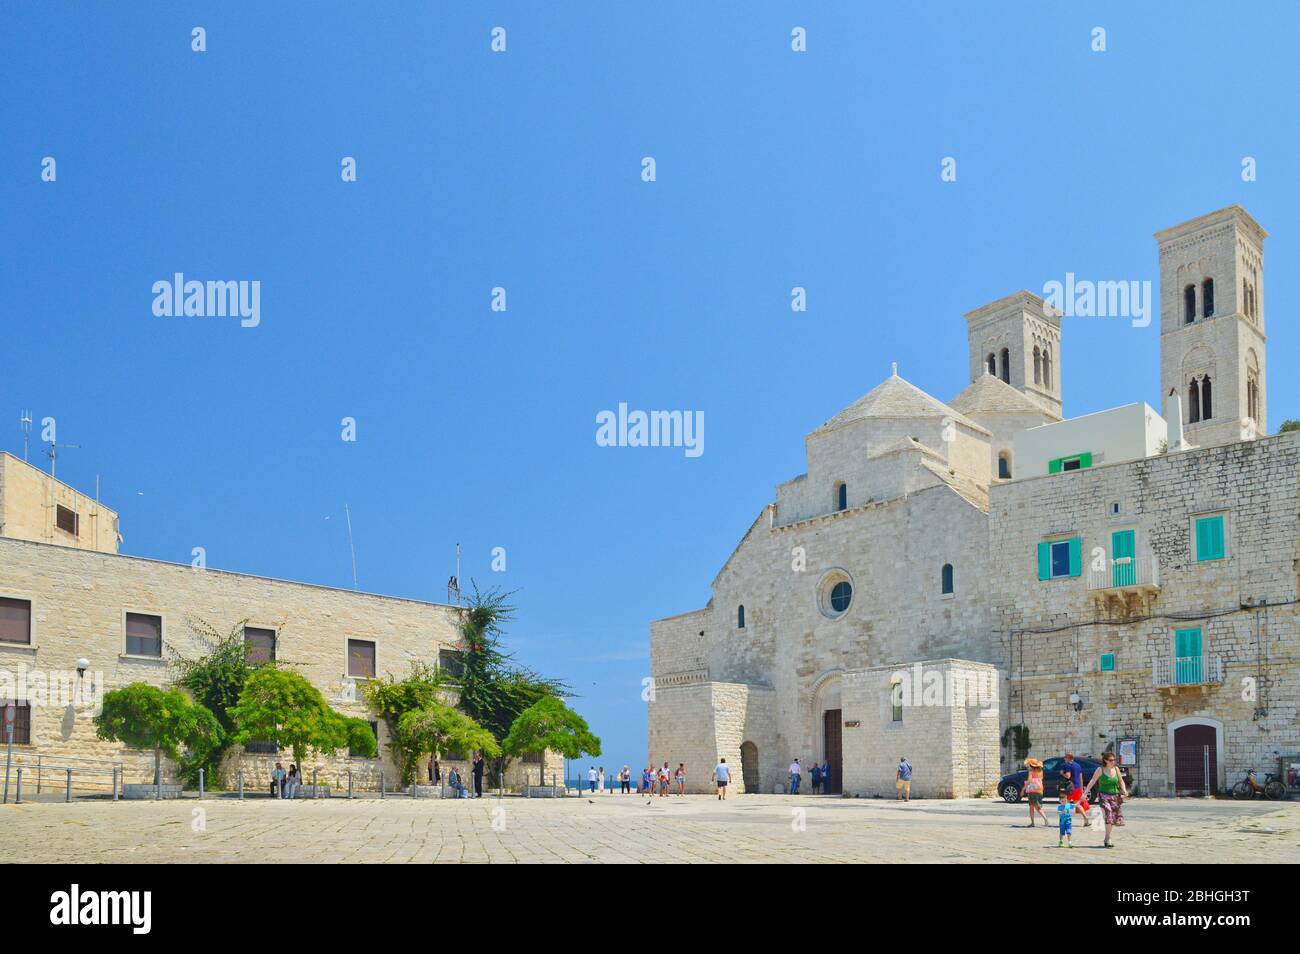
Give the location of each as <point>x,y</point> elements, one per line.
<point>1131,432</point>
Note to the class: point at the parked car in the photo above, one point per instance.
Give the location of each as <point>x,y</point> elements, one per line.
<point>1011,787</point>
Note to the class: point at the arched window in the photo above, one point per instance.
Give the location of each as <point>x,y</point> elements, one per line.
<point>1047,367</point>
<point>841,496</point>
<point>1207,409</point>
<point>1245,296</point>
<point>1189,304</point>
<point>946,578</point>
<point>1193,402</point>
<point>1006,365</point>
<point>1207,297</point>
<point>1038,366</point>
<point>992,364</point>
<point>1004,466</point>
<point>740,616</point>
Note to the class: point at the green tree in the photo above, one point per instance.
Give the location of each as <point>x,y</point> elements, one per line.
<point>1289,425</point>
<point>165,720</point>
<point>215,680</point>
<point>550,724</point>
<point>423,688</point>
<point>282,706</point>
<point>442,728</point>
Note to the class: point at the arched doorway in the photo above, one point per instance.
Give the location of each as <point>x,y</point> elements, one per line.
<point>1195,747</point>
<point>828,729</point>
<point>749,766</point>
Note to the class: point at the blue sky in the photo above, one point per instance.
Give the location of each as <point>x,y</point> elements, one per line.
<point>522,170</point>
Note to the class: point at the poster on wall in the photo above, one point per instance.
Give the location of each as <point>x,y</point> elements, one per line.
<point>1128,752</point>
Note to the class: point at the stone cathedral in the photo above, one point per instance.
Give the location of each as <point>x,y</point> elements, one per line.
<point>971,581</point>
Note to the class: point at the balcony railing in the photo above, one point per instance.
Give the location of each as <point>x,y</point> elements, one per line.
<point>1172,671</point>
<point>1127,573</point>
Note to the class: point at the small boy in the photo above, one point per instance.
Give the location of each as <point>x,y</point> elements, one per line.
<point>1065,815</point>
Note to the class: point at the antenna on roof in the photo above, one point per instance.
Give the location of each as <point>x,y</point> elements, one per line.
<point>348,514</point>
<point>25,422</point>
<point>53,455</point>
<point>453,585</point>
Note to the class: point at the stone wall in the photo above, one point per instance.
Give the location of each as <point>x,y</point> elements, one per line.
<point>29,499</point>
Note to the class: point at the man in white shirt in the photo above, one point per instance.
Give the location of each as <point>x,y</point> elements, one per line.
<point>796,773</point>
<point>591,778</point>
<point>722,775</point>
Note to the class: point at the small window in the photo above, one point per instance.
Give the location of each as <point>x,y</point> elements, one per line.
<point>841,596</point>
<point>946,578</point>
<point>262,748</point>
<point>449,661</point>
<point>1207,405</point>
<point>22,721</point>
<point>1006,365</point>
<point>740,616</point>
<point>1073,462</point>
<point>1210,538</point>
<point>361,658</point>
<point>15,621</point>
<point>143,634</point>
<point>66,519</point>
<point>1060,558</point>
<point>1207,297</point>
<point>992,364</point>
<point>259,645</point>
<point>1106,663</point>
<point>896,702</point>
<point>1189,304</point>
<point>1004,466</point>
<point>1115,509</point>
<point>353,753</point>
<point>841,496</point>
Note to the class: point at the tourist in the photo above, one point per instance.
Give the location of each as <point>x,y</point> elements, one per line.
<point>435,771</point>
<point>826,778</point>
<point>277,781</point>
<point>665,780</point>
<point>796,773</point>
<point>680,777</point>
<point>646,781</point>
<point>1111,792</point>
<point>903,779</point>
<point>600,780</point>
<point>625,781</point>
<point>478,774</point>
<point>430,768</point>
<point>1034,790</point>
<point>816,776</point>
<point>1074,772</point>
<point>291,783</point>
<point>455,784</point>
<point>591,778</point>
<point>722,775</point>
<point>1065,814</point>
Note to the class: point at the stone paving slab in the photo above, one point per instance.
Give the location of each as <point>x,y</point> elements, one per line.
<point>627,829</point>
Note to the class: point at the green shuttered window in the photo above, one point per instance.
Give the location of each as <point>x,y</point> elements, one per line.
<point>1209,538</point>
<point>1073,462</point>
<point>1058,559</point>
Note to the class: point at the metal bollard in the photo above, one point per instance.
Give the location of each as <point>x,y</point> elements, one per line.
<point>67,794</point>
<point>157,787</point>
<point>381,783</point>
<point>200,783</point>
<point>349,783</point>
<point>241,783</point>
<point>114,783</point>
<point>19,791</point>
<point>314,789</point>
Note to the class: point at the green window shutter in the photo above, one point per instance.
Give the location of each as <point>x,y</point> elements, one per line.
<point>1216,538</point>
<point>1044,561</point>
<point>1209,538</point>
<point>1054,466</point>
<point>1187,643</point>
<point>1076,556</point>
<point>1107,662</point>
<point>1085,461</point>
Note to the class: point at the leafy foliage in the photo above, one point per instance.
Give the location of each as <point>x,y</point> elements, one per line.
<point>165,720</point>
<point>281,705</point>
<point>441,728</point>
<point>550,724</point>
<point>215,680</point>
<point>392,699</point>
<point>1289,425</point>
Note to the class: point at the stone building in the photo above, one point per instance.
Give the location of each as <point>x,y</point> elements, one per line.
<point>967,583</point>
<point>68,597</point>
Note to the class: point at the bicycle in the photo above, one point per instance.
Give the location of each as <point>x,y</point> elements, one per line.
<point>1273,788</point>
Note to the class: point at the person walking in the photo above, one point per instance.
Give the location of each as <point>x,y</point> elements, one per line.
<point>625,781</point>
<point>478,774</point>
<point>680,778</point>
<point>722,775</point>
<point>591,778</point>
<point>647,780</point>
<point>1034,790</point>
<point>827,779</point>
<point>1072,770</point>
<point>665,780</point>
<point>796,773</point>
<point>903,780</point>
<point>600,780</point>
<point>1065,814</point>
<point>435,771</point>
<point>816,777</point>
<point>1111,792</point>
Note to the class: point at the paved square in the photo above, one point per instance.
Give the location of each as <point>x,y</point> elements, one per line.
<point>616,828</point>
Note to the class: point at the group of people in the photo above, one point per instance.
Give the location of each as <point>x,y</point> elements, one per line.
<point>285,785</point>
<point>821,777</point>
<point>654,781</point>
<point>454,780</point>
<point>1072,796</point>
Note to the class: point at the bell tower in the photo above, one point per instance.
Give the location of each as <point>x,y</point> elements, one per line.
<point>1018,339</point>
<point>1212,325</point>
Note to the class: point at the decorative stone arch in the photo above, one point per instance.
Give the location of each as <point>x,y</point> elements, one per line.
<point>1220,771</point>
<point>750,776</point>
<point>824,697</point>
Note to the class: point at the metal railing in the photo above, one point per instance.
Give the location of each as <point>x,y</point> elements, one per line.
<point>1200,670</point>
<point>1125,573</point>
